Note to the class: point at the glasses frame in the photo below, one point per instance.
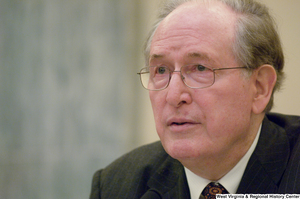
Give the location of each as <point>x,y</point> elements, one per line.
<point>182,77</point>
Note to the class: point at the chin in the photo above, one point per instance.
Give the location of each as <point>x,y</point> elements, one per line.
<point>182,150</point>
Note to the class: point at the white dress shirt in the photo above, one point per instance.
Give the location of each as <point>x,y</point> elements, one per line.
<point>230,181</point>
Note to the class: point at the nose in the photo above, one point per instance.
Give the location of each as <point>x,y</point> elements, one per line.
<point>177,92</point>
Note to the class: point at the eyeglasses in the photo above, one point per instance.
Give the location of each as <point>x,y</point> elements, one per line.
<point>195,76</point>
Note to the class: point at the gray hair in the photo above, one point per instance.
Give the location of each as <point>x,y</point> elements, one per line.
<point>256,41</point>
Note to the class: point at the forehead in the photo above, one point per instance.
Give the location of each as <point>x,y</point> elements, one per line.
<point>192,25</point>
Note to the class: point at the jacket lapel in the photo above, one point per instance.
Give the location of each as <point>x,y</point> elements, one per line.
<point>268,161</point>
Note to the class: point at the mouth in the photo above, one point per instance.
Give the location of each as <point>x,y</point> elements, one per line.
<point>182,126</point>
<point>180,122</point>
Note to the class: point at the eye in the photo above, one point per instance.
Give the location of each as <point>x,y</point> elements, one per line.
<point>161,70</point>
<point>200,68</point>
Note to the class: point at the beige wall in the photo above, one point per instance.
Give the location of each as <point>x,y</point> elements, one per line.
<point>287,15</point>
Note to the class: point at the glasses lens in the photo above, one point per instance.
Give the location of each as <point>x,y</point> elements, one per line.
<point>155,77</point>
<point>197,76</point>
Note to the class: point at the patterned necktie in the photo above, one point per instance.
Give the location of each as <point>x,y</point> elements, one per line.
<point>210,191</point>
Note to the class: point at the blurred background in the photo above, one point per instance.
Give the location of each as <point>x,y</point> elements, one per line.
<point>70,99</point>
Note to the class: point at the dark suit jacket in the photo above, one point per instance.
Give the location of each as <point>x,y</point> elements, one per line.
<point>274,167</point>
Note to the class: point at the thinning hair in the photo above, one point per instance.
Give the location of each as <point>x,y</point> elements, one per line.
<point>256,39</point>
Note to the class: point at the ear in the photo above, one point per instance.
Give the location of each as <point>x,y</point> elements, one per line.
<point>265,79</point>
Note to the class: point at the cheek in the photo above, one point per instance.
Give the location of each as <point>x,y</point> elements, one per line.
<point>227,104</point>
<point>158,107</point>
<point>234,93</point>
<point>157,101</point>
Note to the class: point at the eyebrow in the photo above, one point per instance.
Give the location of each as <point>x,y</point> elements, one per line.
<point>198,55</point>
<point>189,55</point>
<point>155,56</point>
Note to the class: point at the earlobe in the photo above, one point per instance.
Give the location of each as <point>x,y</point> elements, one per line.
<point>265,79</point>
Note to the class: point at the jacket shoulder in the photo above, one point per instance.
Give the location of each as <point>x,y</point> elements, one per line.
<point>128,176</point>
<point>146,157</point>
<point>290,182</point>
<point>290,123</point>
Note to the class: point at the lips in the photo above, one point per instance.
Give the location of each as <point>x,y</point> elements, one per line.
<point>180,122</point>
<point>176,123</point>
<point>182,125</point>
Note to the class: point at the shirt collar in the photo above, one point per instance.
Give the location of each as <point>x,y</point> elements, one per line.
<point>230,181</point>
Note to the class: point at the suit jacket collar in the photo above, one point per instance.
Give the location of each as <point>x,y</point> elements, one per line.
<point>268,161</point>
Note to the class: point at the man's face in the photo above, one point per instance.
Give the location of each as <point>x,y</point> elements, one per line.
<point>201,123</point>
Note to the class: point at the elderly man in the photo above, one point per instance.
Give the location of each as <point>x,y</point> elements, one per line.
<point>212,67</point>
